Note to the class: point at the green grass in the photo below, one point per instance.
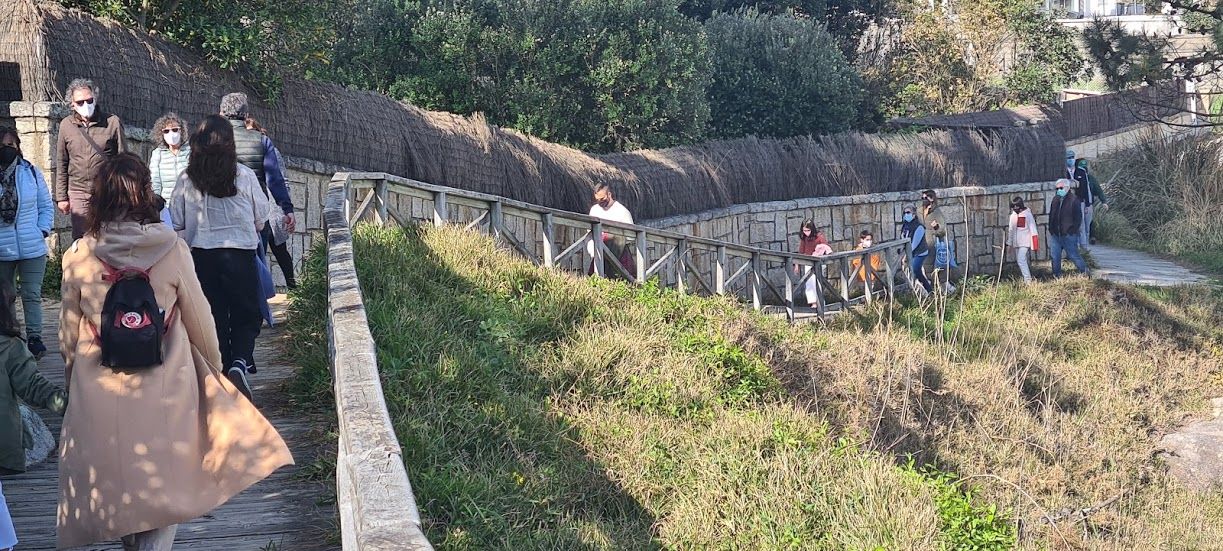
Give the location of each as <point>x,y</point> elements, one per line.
<point>541,410</point>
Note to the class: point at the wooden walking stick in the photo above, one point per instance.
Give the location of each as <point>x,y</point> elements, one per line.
<point>1002,258</point>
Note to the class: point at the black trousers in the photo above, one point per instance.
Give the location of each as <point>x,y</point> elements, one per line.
<point>231,284</point>
<point>281,252</point>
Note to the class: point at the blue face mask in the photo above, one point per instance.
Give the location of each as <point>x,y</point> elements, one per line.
<point>1061,192</point>
<point>908,217</point>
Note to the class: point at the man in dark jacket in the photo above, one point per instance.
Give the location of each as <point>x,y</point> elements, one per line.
<point>1065,220</point>
<point>87,137</point>
<point>1095,196</point>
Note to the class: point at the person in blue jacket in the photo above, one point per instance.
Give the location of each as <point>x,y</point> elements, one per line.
<point>26,214</point>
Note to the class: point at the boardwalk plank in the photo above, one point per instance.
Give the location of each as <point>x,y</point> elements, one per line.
<point>285,511</point>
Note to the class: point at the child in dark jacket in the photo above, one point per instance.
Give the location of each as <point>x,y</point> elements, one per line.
<point>21,380</point>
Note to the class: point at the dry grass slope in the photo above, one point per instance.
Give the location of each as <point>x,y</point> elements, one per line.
<point>539,410</point>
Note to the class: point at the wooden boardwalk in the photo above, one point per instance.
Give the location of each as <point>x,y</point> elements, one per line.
<point>284,512</point>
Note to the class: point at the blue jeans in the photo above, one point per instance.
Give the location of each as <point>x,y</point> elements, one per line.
<point>24,278</point>
<point>1069,243</point>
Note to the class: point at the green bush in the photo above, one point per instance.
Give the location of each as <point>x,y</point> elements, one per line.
<point>1166,196</point>
<point>778,75</point>
<point>602,75</point>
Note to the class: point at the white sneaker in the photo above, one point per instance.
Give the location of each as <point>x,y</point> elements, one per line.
<point>949,289</point>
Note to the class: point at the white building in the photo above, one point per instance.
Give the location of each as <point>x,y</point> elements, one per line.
<point>1133,15</point>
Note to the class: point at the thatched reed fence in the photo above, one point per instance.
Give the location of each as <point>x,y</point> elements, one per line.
<point>143,77</point>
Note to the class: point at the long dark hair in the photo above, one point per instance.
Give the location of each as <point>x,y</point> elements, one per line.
<point>807,224</point>
<point>122,192</point>
<point>213,165</point>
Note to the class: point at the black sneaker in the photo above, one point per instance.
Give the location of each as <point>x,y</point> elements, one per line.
<point>37,348</point>
<point>237,376</point>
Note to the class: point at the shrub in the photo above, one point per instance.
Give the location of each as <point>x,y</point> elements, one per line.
<point>1168,190</point>
<point>778,75</point>
<point>600,75</point>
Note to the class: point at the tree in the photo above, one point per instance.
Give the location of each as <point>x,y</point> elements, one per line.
<point>1128,60</point>
<point>260,39</point>
<point>974,55</point>
<point>604,75</point>
<point>845,19</point>
<point>778,75</point>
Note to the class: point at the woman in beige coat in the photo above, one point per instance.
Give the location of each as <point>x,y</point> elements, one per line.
<point>142,451</point>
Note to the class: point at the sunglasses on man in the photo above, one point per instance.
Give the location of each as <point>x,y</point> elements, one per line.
<point>82,102</point>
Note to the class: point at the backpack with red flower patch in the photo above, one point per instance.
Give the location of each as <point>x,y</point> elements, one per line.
<point>132,323</point>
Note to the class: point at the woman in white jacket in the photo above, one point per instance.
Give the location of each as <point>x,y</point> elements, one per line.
<point>1022,235</point>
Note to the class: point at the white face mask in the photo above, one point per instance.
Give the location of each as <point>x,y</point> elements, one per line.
<point>85,111</point>
<point>173,138</point>
<point>866,243</point>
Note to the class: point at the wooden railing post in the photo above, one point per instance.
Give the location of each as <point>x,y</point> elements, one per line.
<point>549,240</point>
<point>348,202</point>
<point>641,247</point>
<point>596,237</point>
<point>754,282</point>
<point>380,189</point>
<point>891,272</point>
<point>496,220</point>
<point>819,269</point>
<point>787,267</point>
<point>868,274</point>
<point>719,276</point>
<point>681,274</point>
<point>441,212</point>
<point>844,269</point>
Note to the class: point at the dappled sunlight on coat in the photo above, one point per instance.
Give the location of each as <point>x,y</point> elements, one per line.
<point>144,449</point>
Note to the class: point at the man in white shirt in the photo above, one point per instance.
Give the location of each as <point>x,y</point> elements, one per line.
<point>607,208</point>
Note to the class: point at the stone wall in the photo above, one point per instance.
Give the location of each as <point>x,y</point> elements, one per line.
<point>37,124</point>
<point>775,225</point>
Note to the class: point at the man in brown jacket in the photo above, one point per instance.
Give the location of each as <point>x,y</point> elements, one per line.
<point>87,137</point>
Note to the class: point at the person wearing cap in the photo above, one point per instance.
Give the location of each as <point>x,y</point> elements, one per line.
<point>87,138</point>
<point>1094,196</point>
<point>1065,220</point>
<point>1078,174</point>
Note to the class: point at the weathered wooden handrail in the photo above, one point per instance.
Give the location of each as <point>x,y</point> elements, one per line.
<point>377,509</point>
<point>767,274</point>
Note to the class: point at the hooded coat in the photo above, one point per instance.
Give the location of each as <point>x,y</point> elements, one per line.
<point>150,448</point>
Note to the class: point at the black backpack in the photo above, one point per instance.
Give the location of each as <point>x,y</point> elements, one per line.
<point>132,323</point>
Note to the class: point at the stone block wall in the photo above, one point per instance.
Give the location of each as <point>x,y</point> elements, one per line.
<point>979,218</point>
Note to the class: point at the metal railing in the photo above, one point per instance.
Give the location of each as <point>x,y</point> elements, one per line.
<point>560,239</point>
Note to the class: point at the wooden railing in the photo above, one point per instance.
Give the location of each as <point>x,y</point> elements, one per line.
<point>561,239</point>
<point>377,509</point>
